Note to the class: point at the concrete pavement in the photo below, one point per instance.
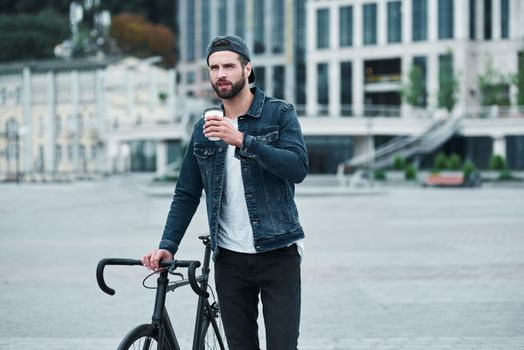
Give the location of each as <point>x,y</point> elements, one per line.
<point>409,268</point>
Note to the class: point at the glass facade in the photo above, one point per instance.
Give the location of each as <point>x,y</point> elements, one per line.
<point>487,19</point>
<point>206,27</point>
<point>260,73</point>
<point>258,27</point>
<point>322,28</point>
<point>346,26</point>
<point>326,152</point>
<point>445,19</point>
<point>394,22</point>
<point>346,88</point>
<point>323,87</point>
<point>240,18</point>
<point>370,24</point>
<point>222,17</point>
<point>190,40</point>
<point>472,19</point>
<point>420,20</point>
<point>515,150</point>
<point>279,82</point>
<point>504,19</point>
<point>143,155</point>
<point>278,26</point>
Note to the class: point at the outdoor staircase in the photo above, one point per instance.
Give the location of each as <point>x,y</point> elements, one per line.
<point>404,146</point>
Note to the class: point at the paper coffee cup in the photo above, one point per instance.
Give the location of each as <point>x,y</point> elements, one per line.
<point>213,111</point>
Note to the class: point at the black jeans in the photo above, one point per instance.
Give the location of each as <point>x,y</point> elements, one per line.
<point>275,276</point>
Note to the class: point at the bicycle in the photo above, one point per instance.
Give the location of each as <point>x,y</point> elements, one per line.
<point>160,330</point>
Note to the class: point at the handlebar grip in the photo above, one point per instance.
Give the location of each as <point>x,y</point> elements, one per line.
<point>111,261</point>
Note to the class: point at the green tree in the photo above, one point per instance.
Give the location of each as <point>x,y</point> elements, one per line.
<point>497,162</point>
<point>27,36</point>
<point>454,161</point>
<point>399,163</point>
<point>440,162</point>
<point>410,172</point>
<point>494,86</point>
<point>448,83</point>
<point>413,91</point>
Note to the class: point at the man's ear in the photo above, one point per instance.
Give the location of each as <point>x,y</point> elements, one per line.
<point>247,69</point>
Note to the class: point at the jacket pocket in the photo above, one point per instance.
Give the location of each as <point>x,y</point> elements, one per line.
<point>205,155</point>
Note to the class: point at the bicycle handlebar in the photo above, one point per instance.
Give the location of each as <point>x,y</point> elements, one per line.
<point>191,265</point>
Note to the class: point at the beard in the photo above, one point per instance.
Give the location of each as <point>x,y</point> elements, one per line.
<point>236,87</point>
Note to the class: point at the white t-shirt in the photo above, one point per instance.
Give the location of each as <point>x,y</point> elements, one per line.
<point>234,229</point>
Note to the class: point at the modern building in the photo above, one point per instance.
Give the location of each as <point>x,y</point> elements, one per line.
<point>273,29</point>
<point>360,54</point>
<point>80,117</point>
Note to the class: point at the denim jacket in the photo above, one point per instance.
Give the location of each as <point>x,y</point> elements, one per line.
<point>273,158</point>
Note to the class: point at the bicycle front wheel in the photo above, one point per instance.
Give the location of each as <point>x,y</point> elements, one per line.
<point>143,337</point>
<point>211,338</point>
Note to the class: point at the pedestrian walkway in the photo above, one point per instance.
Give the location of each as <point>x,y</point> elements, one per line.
<point>409,268</point>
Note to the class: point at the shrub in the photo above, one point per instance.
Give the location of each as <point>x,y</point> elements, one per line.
<point>379,174</point>
<point>506,175</point>
<point>497,162</point>
<point>399,163</point>
<point>454,162</point>
<point>440,162</point>
<point>468,169</point>
<point>410,172</point>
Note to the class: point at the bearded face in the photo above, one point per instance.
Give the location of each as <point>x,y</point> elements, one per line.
<point>226,89</point>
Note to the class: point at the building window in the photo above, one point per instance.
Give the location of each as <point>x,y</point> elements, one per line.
<point>190,77</point>
<point>394,22</point>
<point>346,26</point>
<point>3,96</point>
<point>258,27</point>
<point>504,19</point>
<point>222,17</point>
<point>260,73</point>
<point>487,19</point>
<point>58,126</point>
<point>93,151</point>
<point>206,27</point>
<point>80,124</point>
<point>240,19</point>
<point>279,82</point>
<point>58,154</point>
<point>445,19</point>
<point>370,24</point>
<point>300,83</point>
<point>421,63</point>
<point>472,19</point>
<point>346,88</point>
<point>278,26</point>
<point>323,87</point>
<point>322,28</point>
<point>420,20</point>
<point>190,42</point>
<point>70,152</point>
<point>82,152</point>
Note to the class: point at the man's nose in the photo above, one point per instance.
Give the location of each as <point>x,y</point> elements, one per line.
<point>221,73</point>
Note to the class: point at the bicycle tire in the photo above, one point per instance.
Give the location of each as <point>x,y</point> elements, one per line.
<point>143,337</point>
<point>208,338</point>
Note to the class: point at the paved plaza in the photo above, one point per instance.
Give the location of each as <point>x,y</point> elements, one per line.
<point>405,268</point>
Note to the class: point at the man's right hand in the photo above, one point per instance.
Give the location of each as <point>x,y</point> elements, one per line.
<point>152,259</point>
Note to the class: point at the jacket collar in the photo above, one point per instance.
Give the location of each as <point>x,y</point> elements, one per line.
<point>258,102</point>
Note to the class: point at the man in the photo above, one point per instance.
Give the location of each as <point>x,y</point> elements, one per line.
<point>248,176</point>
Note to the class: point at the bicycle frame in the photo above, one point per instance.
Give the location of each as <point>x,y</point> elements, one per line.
<point>160,318</point>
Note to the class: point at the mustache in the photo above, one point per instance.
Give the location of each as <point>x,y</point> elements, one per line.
<point>222,81</point>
